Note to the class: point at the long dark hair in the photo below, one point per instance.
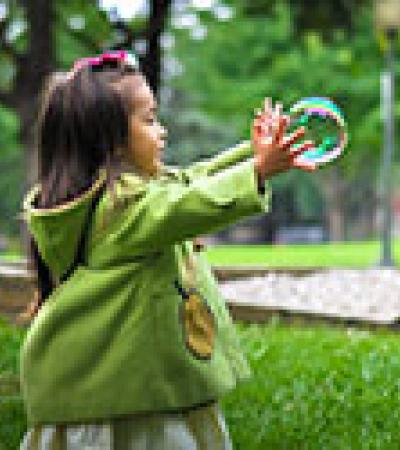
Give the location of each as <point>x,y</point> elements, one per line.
<point>82,123</point>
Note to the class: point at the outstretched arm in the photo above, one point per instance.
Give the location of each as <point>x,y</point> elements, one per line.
<point>202,200</point>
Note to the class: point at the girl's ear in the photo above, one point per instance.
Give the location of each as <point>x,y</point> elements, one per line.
<point>120,153</point>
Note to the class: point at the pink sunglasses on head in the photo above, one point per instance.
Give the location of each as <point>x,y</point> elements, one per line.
<point>121,55</point>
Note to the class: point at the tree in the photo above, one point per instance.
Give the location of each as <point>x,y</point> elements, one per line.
<point>151,33</point>
<point>40,36</point>
<point>247,58</point>
<point>325,18</point>
<point>32,57</point>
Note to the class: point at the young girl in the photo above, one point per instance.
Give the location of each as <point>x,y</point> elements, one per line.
<point>131,344</point>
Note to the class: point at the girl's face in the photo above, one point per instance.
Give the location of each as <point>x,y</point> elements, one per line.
<point>146,135</point>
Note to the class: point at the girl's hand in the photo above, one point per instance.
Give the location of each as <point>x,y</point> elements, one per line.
<point>273,150</point>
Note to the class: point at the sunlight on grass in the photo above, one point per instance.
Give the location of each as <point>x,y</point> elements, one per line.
<point>11,257</point>
<point>341,254</point>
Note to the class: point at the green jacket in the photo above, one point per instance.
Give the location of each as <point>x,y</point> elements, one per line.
<point>125,333</point>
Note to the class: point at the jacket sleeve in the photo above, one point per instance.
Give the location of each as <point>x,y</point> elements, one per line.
<point>223,160</point>
<point>191,203</point>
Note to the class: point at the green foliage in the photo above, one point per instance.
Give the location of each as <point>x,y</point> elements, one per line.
<point>6,73</point>
<point>316,388</point>
<point>96,32</point>
<point>12,173</point>
<point>260,53</point>
<point>17,16</point>
<point>246,59</point>
<point>13,418</point>
<point>307,195</point>
<point>192,134</point>
<point>228,80</point>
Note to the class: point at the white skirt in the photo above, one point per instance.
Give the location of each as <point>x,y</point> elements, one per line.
<point>203,428</point>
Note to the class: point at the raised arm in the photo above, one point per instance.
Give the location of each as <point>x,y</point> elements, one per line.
<point>225,159</point>
<point>172,209</point>
<point>207,196</point>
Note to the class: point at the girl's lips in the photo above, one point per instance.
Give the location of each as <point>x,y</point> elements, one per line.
<point>159,154</point>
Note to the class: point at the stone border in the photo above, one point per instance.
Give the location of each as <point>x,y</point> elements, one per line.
<point>16,285</point>
<point>225,273</point>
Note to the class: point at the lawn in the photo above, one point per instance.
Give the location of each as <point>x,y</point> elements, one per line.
<point>11,257</point>
<point>341,254</point>
<point>317,388</point>
<point>312,388</point>
<point>13,421</point>
<point>361,254</point>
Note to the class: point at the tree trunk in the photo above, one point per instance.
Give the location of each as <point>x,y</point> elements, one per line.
<point>31,72</point>
<point>151,61</point>
<point>334,189</point>
<point>159,11</point>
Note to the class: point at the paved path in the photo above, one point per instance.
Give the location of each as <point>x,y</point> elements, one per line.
<point>365,295</point>
<point>370,295</point>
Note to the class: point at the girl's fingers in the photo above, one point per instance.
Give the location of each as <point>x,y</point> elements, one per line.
<point>255,132</point>
<point>267,105</point>
<point>296,151</point>
<point>258,128</point>
<point>264,127</point>
<point>278,108</point>
<point>275,115</point>
<point>267,113</point>
<point>269,124</point>
<point>266,140</point>
<point>296,135</point>
<point>283,123</point>
<point>308,167</point>
<point>263,120</point>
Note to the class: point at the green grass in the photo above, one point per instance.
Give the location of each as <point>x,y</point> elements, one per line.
<point>361,254</point>
<point>11,257</point>
<point>13,420</point>
<point>317,388</point>
<point>313,388</point>
<point>341,254</point>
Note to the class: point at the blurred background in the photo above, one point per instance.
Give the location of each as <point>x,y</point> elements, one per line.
<point>211,62</point>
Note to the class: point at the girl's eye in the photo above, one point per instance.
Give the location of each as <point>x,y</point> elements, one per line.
<point>151,120</point>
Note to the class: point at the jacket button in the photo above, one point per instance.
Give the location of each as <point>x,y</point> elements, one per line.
<point>198,245</point>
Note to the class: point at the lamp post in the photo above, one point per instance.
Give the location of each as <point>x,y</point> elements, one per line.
<point>387,20</point>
